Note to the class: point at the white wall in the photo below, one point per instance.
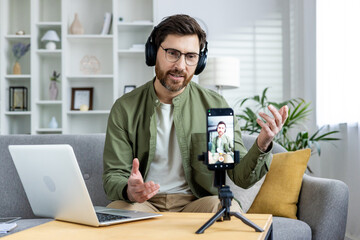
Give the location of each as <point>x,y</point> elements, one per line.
<point>219,16</point>
<point>303,76</point>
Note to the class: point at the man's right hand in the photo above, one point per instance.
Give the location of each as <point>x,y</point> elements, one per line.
<point>137,190</point>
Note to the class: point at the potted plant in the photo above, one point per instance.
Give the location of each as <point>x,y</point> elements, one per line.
<point>19,50</point>
<point>299,111</point>
<point>53,89</point>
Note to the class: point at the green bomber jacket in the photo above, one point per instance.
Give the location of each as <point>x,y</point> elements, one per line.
<point>131,133</point>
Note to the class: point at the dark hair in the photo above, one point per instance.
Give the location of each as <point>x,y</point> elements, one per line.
<point>179,24</point>
<point>221,122</point>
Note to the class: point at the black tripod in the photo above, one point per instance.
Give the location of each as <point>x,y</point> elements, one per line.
<point>226,196</point>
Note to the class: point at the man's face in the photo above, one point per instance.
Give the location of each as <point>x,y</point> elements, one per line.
<point>221,129</point>
<point>175,76</point>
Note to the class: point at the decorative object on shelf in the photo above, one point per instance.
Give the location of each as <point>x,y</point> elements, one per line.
<point>84,108</point>
<point>81,96</point>
<point>50,37</point>
<point>20,32</point>
<point>53,89</point>
<point>53,123</point>
<point>107,24</point>
<point>129,88</point>
<point>19,50</point>
<point>18,99</point>
<point>17,68</point>
<point>221,72</point>
<point>90,65</point>
<point>76,27</point>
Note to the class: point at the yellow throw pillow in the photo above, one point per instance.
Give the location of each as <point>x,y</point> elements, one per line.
<point>279,193</point>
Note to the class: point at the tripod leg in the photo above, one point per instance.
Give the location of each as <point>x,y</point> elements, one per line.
<point>247,221</point>
<point>211,221</point>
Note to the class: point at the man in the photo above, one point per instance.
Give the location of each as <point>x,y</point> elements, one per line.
<point>221,143</point>
<point>156,132</point>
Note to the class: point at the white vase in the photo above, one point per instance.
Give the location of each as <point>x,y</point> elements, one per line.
<point>53,90</point>
<point>76,27</point>
<point>53,123</point>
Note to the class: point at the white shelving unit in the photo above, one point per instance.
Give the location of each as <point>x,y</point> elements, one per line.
<point>120,55</point>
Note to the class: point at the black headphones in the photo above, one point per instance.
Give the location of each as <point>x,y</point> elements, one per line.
<point>151,51</point>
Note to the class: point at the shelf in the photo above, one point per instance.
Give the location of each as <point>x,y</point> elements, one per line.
<point>45,52</point>
<point>134,27</point>
<point>49,102</point>
<point>49,130</point>
<point>104,62</point>
<point>94,76</point>
<point>135,23</point>
<point>129,51</point>
<point>21,76</point>
<point>89,36</point>
<point>16,37</point>
<point>90,112</point>
<point>48,24</point>
<point>18,113</point>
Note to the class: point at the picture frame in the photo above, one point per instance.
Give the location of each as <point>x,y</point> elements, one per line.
<point>129,88</point>
<point>18,99</point>
<point>82,96</point>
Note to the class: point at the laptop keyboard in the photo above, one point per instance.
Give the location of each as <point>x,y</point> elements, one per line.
<point>103,217</point>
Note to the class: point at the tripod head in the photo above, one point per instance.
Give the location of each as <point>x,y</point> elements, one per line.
<point>219,169</point>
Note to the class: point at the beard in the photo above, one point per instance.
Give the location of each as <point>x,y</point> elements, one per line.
<point>171,84</point>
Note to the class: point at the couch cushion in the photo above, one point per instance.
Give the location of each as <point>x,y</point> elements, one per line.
<point>247,196</point>
<point>279,193</point>
<point>286,228</point>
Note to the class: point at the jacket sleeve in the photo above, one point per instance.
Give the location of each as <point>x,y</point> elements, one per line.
<point>253,165</point>
<point>117,156</point>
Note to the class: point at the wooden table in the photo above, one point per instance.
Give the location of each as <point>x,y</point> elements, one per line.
<point>169,226</point>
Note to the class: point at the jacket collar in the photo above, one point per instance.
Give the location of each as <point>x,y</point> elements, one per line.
<point>154,98</point>
<point>176,100</point>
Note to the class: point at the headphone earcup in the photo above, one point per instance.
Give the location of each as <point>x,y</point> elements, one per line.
<point>202,63</point>
<point>150,53</point>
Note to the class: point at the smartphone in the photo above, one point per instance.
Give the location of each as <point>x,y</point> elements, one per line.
<point>220,138</point>
<point>9,219</point>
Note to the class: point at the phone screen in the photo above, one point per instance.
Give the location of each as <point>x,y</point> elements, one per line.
<point>220,138</point>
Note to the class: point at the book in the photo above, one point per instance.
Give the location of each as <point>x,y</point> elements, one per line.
<point>107,24</point>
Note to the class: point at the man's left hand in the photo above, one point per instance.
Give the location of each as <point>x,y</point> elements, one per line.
<point>272,126</point>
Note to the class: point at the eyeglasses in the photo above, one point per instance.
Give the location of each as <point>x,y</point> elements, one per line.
<point>173,55</point>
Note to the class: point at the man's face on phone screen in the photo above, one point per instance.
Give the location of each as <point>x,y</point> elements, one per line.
<point>221,129</point>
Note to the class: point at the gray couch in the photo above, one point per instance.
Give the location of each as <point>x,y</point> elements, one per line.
<point>322,208</point>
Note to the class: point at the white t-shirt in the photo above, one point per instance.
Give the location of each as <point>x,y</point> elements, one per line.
<point>219,145</point>
<point>167,168</point>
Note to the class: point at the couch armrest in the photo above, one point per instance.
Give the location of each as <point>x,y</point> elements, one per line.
<point>323,204</point>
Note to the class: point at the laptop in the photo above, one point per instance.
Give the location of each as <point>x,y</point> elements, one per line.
<point>55,187</point>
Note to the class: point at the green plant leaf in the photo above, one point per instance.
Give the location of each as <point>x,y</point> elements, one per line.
<point>243,101</point>
<point>263,97</point>
<point>299,111</point>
